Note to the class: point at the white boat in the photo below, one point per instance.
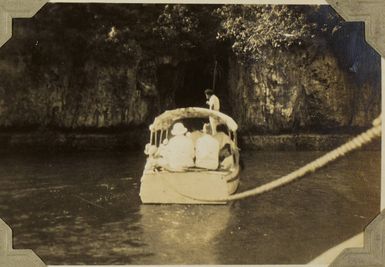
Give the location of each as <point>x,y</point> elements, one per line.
<point>193,185</point>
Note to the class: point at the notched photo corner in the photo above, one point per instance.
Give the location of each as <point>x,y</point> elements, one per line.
<point>188,134</point>
<point>15,258</point>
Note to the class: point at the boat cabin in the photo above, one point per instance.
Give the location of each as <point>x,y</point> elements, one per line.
<point>193,118</point>
<point>191,185</point>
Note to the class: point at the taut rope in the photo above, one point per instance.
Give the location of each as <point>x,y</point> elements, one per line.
<point>351,145</point>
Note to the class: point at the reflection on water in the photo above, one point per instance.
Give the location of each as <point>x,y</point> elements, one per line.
<point>85,209</point>
<point>187,232</point>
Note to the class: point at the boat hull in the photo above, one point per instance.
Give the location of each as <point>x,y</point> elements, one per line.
<point>188,187</point>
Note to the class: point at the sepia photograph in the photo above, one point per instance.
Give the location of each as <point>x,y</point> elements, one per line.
<point>154,134</point>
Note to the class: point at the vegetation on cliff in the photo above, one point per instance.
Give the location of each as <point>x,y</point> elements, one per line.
<point>276,68</point>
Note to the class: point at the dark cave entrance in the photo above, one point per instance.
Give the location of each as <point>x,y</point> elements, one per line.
<point>197,76</point>
<point>183,85</point>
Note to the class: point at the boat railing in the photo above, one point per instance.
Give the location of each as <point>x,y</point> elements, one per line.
<point>197,170</point>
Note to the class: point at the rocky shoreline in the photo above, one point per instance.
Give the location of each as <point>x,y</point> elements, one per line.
<point>136,140</point>
<point>301,142</point>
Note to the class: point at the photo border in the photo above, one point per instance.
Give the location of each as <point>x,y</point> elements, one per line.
<point>372,253</point>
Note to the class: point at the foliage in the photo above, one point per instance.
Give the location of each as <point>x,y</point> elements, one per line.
<point>252,28</point>
<point>119,34</point>
<point>101,64</point>
<point>187,30</point>
<point>178,23</point>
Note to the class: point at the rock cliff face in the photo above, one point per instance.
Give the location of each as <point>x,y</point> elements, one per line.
<point>312,89</point>
<point>87,96</point>
<point>300,92</point>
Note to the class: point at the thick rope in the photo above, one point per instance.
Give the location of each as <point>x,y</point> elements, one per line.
<point>351,145</point>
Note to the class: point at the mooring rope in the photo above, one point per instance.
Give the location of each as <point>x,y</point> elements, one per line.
<point>331,156</point>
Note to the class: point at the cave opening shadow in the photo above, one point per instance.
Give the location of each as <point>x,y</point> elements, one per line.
<point>197,77</point>
<point>189,81</point>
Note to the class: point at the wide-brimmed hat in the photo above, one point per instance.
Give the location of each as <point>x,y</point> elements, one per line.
<point>178,129</point>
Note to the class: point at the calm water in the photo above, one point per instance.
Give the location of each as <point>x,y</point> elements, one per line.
<point>85,209</point>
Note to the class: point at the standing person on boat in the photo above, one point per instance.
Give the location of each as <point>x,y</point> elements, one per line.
<point>179,152</point>
<point>207,150</point>
<point>214,104</point>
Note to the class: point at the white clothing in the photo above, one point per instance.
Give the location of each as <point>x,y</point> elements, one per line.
<point>223,139</point>
<point>195,135</point>
<point>213,125</point>
<point>179,152</point>
<point>207,152</point>
<point>227,163</point>
<point>214,103</point>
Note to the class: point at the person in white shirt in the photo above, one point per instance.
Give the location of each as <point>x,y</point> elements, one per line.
<point>179,151</point>
<point>214,104</point>
<point>195,135</point>
<point>212,100</point>
<point>207,150</point>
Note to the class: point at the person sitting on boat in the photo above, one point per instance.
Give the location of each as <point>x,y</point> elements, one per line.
<point>152,161</point>
<point>195,134</point>
<point>214,104</point>
<point>226,160</point>
<point>207,150</point>
<point>160,154</point>
<point>179,152</point>
<point>222,137</point>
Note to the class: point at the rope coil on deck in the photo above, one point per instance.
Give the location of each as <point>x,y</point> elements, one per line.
<point>351,145</point>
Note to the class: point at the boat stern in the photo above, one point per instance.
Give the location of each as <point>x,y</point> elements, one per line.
<point>183,188</point>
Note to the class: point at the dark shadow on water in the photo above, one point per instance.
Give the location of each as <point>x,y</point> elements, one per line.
<point>74,208</point>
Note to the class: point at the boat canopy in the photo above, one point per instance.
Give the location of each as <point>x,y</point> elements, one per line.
<point>165,120</point>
